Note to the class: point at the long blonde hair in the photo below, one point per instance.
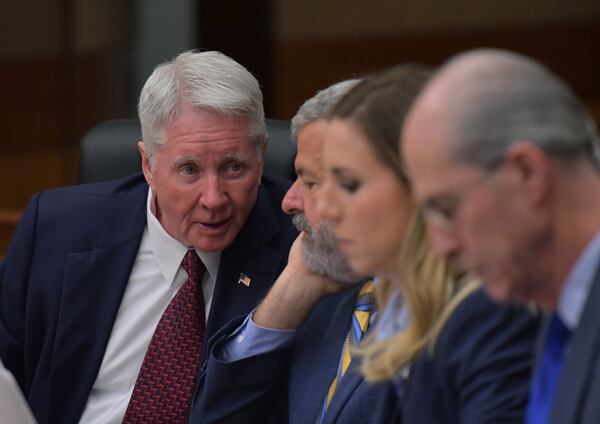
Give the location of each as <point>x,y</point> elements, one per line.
<point>431,287</point>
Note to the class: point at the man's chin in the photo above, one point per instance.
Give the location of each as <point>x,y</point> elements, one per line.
<point>212,244</point>
<point>333,272</point>
<point>346,279</point>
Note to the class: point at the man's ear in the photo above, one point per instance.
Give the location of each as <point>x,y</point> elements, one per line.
<point>529,167</point>
<point>146,165</point>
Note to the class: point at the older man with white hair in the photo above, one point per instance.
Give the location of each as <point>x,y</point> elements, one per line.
<point>109,291</point>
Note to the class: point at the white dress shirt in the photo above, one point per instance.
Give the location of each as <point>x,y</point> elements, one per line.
<point>156,277</point>
<point>12,403</point>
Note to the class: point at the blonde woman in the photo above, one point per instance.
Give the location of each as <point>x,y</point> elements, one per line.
<point>454,356</point>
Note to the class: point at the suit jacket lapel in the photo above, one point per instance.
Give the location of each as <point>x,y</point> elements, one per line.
<point>580,360</point>
<point>350,382</point>
<point>251,255</point>
<point>325,367</point>
<point>93,286</point>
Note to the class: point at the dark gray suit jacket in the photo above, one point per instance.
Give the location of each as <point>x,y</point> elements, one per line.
<point>577,399</point>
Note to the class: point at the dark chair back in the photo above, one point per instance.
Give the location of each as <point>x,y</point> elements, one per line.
<point>109,150</point>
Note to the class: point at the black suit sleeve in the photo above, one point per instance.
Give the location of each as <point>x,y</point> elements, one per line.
<point>247,390</point>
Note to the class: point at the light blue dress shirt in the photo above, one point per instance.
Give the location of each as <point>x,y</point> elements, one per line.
<point>394,318</point>
<point>250,339</point>
<point>578,284</point>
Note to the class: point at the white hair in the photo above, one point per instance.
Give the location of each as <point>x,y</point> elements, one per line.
<point>320,105</point>
<point>209,80</point>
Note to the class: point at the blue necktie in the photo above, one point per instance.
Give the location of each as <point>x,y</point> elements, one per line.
<point>545,380</point>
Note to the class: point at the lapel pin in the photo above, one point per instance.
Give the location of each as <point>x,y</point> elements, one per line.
<point>244,279</point>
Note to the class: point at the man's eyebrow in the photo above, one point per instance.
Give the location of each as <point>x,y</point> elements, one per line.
<point>185,159</point>
<point>238,156</point>
<point>341,172</point>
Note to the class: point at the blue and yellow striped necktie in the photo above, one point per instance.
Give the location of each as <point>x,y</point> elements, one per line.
<point>358,328</point>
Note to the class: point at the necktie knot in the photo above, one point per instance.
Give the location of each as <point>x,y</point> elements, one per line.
<point>362,313</point>
<point>192,264</point>
<point>365,301</point>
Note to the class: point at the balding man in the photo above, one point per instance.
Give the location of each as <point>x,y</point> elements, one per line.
<point>504,160</point>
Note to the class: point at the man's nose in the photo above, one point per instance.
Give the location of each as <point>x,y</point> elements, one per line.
<point>214,196</point>
<point>292,202</point>
<point>327,208</point>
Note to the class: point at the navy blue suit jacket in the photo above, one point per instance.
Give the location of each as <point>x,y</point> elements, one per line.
<point>289,385</point>
<point>578,392</point>
<point>480,368</point>
<point>67,268</point>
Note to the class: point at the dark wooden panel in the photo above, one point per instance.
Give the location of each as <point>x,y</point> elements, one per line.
<point>8,222</point>
<point>243,31</point>
<point>101,89</point>
<point>43,121</point>
<point>301,68</point>
<point>29,111</point>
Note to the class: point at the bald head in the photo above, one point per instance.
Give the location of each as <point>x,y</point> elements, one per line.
<point>488,99</point>
<point>490,147</point>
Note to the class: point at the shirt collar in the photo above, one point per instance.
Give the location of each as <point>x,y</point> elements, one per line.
<point>169,252</point>
<point>394,318</point>
<point>578,284</point>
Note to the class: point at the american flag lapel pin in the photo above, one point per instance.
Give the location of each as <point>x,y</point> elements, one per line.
<point>244,279</point>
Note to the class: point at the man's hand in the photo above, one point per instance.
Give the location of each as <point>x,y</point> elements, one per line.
<point>294,293</point>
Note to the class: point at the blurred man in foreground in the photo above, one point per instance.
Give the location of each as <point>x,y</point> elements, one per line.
<point>504,160</point>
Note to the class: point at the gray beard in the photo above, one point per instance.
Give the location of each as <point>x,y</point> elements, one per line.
<point>321,255</point>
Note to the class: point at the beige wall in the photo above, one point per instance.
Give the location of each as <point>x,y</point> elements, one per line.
<point>318,19</point>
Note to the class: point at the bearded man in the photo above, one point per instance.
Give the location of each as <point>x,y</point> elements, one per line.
<point>288,360</point>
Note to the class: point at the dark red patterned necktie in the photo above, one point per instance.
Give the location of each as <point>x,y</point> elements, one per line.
<point>164,387</point>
